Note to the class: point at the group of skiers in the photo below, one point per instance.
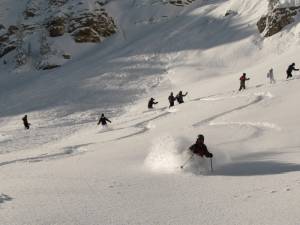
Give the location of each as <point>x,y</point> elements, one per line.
<point>199,148</point>
<point>172,99</point>
<point>270,75</point>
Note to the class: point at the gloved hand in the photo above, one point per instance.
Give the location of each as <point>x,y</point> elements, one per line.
<point>210,155</point>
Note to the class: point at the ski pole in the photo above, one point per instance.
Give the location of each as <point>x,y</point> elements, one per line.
<point>211,165</point>
<point>186,161</point>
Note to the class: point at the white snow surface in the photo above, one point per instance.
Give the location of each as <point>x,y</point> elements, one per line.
<point>66,170</point>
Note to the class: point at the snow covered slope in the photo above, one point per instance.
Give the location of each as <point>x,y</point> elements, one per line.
<point>65,170</point>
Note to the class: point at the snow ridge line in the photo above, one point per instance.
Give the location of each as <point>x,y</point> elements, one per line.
<point>142,126</point>
<point>205,121</point>
<point>252,124</point>
<point>68,151</point>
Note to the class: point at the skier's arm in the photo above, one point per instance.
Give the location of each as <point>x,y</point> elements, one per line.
<point>207,153</point>
<point>107,120</point>
<point>155,103</point>
<point>185,94</point>
<point>192,148</point>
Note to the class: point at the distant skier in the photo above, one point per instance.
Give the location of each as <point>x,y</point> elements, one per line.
<point>270,75</point>
<point>290,69</point>
<point>180,96</point>
<point>25,122</point>
<point>171,100</point>
<point>243,80</point>
<point>151,103</point>
<point>199,148</point>
<point>103,120</point>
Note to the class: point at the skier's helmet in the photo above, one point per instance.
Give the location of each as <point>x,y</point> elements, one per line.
<point>201,137</point>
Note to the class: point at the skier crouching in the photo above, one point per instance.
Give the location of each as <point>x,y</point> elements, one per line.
<point>200,149</point>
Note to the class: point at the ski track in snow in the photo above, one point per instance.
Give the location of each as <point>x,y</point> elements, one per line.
<point>67,152</point>
<point>205,121</point>
<point>143,126</point>
<point>5,198</point>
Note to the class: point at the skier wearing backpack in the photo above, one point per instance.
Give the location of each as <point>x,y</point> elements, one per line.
<point>151,103</point>
<point>25,122</point>
<point>103,120</point>
<point>199,148</point>
<point>243,80</point>
<point>171,99</point>
<point>180,96</point>
<point>290,69</point>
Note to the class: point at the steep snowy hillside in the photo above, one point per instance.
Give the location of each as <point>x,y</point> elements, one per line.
<point>66,170</point>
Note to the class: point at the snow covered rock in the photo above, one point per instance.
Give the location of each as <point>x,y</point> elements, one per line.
<point>65,21</point>
<point>91,26</point>
<point>231,12</point>
<point>276,20</point>
<point>86,34</point>
<point>181,2</point>
<point>56,27</point>
<point>6,48</point>
<point>57,2</point>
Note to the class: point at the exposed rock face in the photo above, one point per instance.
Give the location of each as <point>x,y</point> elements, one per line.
<point>275,21</point>
<point>32,9</point>
<point>56,27</point>
<point>262,24</point>
<point>6,48</point>
<point>231,12</point>
<point>89,27</point>
<point>180,2</point>
<point>57,2</point>
<point>12,30</point>
<point>86,34</point>
<point>84,20</point>
<point>85,27</point>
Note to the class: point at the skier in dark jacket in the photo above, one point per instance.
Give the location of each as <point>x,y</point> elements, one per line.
<point>25,122</point>
<point>243,80</point>
<point>151,103</point>
<point>103,120</point>
<point>180,96</point>
<point>199,148</point>
<point>290,69</point>
<point>171,100</point>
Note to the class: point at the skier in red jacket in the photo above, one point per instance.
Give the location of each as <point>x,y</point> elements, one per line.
<point>243,80</point>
